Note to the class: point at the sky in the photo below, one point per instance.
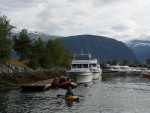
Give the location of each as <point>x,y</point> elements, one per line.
<point>122,20</point>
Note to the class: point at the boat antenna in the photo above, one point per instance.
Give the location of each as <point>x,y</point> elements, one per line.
<point>90,56</point>
<point>81,52</point>
<point>88,51</point>
<point>75,52</point>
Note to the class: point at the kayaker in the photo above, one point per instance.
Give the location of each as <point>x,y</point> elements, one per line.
<point>70,80</point>
<point>69,92</point>
<point>55,83</point>
<point>62,79</point>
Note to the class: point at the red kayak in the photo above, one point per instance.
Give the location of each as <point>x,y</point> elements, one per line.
<point>65,85</point>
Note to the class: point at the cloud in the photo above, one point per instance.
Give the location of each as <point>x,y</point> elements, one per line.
<point>119,28</point>
<point>120,19</point>
<point>13,5</point>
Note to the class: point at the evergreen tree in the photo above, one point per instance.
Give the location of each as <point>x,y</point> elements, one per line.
<point>66,58</point>
<point>40,56</point>
<point>5,43</point>
<point>109,62</point>
<point>114,62</point>
<point>50,49</point>
<point>136,63</point>
<point>23,45</point>
<point>58,54</point>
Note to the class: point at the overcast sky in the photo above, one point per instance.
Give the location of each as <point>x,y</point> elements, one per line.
<point>120,19</point>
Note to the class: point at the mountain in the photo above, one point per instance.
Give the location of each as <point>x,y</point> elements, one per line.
<point>141,49</point>
<point>102,48</point>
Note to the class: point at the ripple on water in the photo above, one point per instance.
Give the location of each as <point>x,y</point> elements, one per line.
<point>115,94</point>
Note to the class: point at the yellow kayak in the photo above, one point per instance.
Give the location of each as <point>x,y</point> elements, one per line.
<point>71,98</point>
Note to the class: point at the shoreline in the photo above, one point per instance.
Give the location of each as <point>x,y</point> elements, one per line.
<point>18,78</point>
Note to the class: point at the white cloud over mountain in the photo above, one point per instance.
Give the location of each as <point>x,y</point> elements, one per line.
<point>119,19</point>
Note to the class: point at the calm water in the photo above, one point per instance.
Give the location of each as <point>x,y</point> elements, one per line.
<point>114,94</point>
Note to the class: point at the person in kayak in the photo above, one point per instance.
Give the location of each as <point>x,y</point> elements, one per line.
<point>69,92</point>
<point>62,79</point>
<point>55,83</point>
<point>70,80</point>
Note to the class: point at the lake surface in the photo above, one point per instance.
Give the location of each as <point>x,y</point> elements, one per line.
<point>112,94</point>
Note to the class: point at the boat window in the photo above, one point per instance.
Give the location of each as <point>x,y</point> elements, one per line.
<point>79,66</point>
<point>116,67</point>
<point>93,65</point>
<point>85,65</point>
<point>73,65</point>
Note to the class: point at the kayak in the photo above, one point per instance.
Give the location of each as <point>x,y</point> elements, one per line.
<point>71,98</point>
<point>65,85</point>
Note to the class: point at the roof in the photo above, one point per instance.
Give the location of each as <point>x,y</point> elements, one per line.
<point>82,57</point>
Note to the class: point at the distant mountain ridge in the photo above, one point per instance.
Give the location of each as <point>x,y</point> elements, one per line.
<point>36,35</point>
<point>141,49</point>
<point>102,48</point>
<point>138,43</point>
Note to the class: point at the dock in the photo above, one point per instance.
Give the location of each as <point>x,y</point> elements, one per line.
<point>37,86</point>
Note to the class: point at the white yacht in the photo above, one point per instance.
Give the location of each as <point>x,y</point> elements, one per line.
<point>124,69</point>
<point>131,70</point>
<point>80,68</point>
<point>95,68</point>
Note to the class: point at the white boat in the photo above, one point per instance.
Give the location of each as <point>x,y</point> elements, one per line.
<point>145,74</point>
<point>95,68</point>
<point>115,68</point>
<point>81,71</point>
<point>131,70</point>
<point>123,70</point>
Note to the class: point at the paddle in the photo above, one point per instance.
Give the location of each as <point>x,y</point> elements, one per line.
<point>60,95</point>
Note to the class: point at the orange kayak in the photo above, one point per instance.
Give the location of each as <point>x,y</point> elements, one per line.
<point>71,98</point>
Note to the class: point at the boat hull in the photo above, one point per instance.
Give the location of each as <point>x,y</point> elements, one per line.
<point>145,75</point>
<point>81,77</point>
<point>97,75</point>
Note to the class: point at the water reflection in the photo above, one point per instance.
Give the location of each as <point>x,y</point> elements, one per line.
<point>69,104</point>
<point>114,94</point>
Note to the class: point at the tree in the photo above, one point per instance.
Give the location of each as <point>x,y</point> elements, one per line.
<point>5,43</point>
<point>109,62</point>
<point>58,54</point>
<point>126,62</point>
<point>50,48</point>
<point>114,62</point>
<point>136,63</point>
<point>40,56</point>
<point>23,45</point>
<point>46,55</point>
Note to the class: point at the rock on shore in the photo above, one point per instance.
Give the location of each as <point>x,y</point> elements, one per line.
<point>11,75</point>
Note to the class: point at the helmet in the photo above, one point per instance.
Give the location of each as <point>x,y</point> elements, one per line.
<point>69,88</point>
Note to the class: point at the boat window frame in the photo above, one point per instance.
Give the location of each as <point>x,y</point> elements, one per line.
<point>79,65</point>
